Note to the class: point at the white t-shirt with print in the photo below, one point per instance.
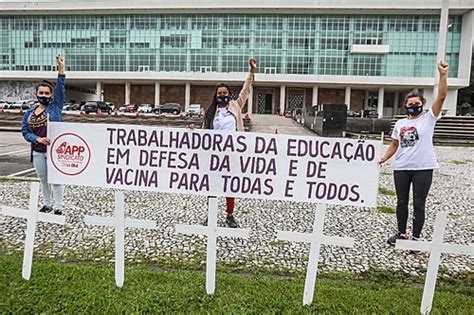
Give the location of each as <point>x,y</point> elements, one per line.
<point>224,120</point>
<point>415,148</point>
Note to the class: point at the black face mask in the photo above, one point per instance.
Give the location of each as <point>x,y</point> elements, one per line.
<point>414,110</point>
<point>44,100</point>
<point>222,101</point>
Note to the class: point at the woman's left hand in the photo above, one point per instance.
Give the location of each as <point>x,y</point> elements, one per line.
<point>443,67</point>
<point>60,63</point>
<point>253,64</point>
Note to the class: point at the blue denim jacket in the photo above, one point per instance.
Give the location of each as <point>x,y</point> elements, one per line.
<point>53,110</point>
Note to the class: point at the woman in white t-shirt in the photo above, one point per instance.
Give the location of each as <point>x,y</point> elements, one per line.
<point>225,115</point>
<point>412,141</point>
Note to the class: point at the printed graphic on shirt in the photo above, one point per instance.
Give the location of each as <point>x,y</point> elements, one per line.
<point>408,136</point>
<point>38,121</point>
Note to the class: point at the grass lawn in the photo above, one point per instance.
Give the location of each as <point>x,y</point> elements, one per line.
<point>90,288</point>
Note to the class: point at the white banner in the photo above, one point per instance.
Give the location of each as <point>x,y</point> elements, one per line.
<point>206,162</point>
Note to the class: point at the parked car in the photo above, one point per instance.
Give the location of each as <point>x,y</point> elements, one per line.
<point>370,113</point>
<point>146,108</point>
<point>131,108</point>
<point>352,113</point>
<point>173,108</point>
<point>18,104</point>
<point>30,104</point>
<point>73,106</point>
<point>4,105</point>
<point>93,106</point>
<point>112,105</point>
<point>195,110</point>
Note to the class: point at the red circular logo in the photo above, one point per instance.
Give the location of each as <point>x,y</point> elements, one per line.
<point>70,154</point>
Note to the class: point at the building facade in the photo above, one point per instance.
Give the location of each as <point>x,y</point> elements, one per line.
<point>366,55</point>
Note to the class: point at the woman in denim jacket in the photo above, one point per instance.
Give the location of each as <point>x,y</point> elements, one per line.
<point>34,128</point>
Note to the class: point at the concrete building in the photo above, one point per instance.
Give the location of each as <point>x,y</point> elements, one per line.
<point>366,54</point>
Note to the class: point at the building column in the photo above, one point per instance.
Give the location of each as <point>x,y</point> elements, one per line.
<point>282,99</point>
<point>250,102</point>
<point>284,58</point>
<point>157,93</point>
<point>127,47</point>
<point>366,100</point>
<point>443,34</point>
<point>450,103</point>
<point>396,103</point>
<point>220,45</point>
<point>99,94</point>
<point>127,93</point>
<point>347,98</point>
<point>98,57</point>
<point>187,96</point>
<point>380,102</point>
<point>315,95</point>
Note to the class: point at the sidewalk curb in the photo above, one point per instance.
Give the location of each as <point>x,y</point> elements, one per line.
<point>27,179</point>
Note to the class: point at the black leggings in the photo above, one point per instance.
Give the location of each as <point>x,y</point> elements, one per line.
<point>421,185</point>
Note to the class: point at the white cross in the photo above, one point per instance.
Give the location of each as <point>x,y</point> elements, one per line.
<point>120,222</point>
<point>316,239</point>
<point>436,247</point>
<point>212,232</point>
<point>32,216</point>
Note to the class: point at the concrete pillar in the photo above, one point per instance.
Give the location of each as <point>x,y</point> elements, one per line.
<point>380,102</point>
<point>127,46</point>
<point>450,103</point>
<point>157,93</point>
<point>250,102</point>
<point>347,98</point>
<point>396,103</point>
<point>99,95</point>
<point>127,93</point>
<point>220,45</point>
<point>443,34</point>
<point>429,97</point>
<point>366,100</point>
<point>282,99</point>
<point>187,96</point>
<point>465,51</point>
<point>315,95</point>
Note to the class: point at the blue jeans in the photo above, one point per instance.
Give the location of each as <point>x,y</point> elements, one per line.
<point>39,162</point>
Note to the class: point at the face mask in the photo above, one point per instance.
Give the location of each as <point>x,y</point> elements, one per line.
<point>222,100</point>
<point>44,100</point>
<point>414,110</point>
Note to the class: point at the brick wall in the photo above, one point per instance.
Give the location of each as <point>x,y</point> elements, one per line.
<point>309,98</point>
<point>331,96</point>
<point>114,93</point>
<point>142,94</point>
<point>202,94</point>
<point>357,100</point>
<point>172,94</point>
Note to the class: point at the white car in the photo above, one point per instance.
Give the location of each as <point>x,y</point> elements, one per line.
<point>18,104</point>
<point>195,110</point>
<point>145,108</point>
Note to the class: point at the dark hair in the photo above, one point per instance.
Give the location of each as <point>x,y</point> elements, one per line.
<point>414,94</point>
<point>211,110</point>
<point>45,83</point>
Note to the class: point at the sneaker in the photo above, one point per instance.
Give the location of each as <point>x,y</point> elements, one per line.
<point>58,212</point>
<point>399,236</point>
<point>231,221</point>
<point>46,209</point>
<point>414,252</point>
